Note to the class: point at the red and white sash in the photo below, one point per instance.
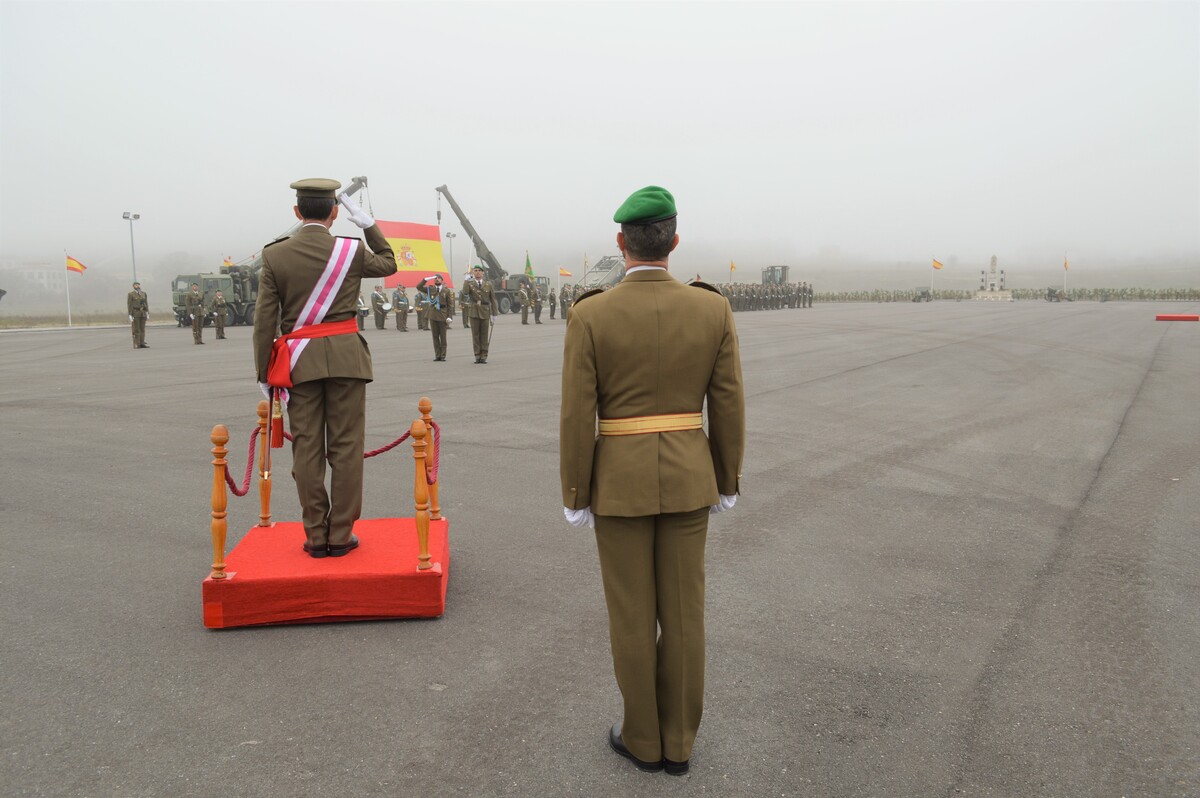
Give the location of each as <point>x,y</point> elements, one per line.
<point>323,294</point>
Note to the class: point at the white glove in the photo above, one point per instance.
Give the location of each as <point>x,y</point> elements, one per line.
<point>723,504</point>
<point>191,317</point>
<point>131,318</point>
<point>357,214</point>
<point>582,517</point>
<point>266,389</point>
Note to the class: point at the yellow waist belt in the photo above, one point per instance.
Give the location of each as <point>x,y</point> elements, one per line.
<point>641,425</point>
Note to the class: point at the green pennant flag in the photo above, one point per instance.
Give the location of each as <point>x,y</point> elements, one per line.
<point>528,265</point>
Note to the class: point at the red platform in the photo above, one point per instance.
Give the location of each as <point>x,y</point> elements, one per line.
<point>272,580</point>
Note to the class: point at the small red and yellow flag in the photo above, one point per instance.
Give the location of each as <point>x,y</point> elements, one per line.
<point>563,272</point>
<point>937,264</point>
<point>1064,264</point>
<point>75,266</point>
<point>228,263</point>
<point>732,266</point>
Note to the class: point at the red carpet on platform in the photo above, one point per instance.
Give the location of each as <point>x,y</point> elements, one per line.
<point>272,580</point>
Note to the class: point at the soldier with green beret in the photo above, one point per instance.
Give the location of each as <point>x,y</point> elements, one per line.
<point>193,301</point>
<point>641,362</point>
<point>139,311</point>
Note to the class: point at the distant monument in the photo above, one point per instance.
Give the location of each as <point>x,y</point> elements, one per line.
<point>991,285</point>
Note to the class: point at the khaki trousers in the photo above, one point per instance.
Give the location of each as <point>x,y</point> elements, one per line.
<point>438,328</point>
<point>480,331</point>
<point>139,330</point>
<point>653,572</point>
<point>328,416</point>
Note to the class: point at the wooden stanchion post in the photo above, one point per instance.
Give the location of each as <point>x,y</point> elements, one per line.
<point>264,463</point>
<point>435,507</point>
<point>220,437</point>
<point>421,495</point>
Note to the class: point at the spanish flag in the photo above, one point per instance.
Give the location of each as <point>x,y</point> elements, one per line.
<point>75,266</point>
<point>228,262</point>
<point>418,249</point>
<point>563,272</point>
<point>937,264</point>
<point>732,266</point>
<point>1064,263</point>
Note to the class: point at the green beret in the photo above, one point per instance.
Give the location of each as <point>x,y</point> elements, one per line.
<point>646,206</point>
<point>316,187</point>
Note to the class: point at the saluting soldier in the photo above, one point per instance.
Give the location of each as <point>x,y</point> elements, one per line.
<point>640,364</point>
<point>219,308</point>
<point>307,291</point>
<point>400,307</point>
<point>139,311</point>
<point>193,302</point>
<point>481,299</point>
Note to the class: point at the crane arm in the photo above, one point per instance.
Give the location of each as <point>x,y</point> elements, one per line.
<point>495,272</point>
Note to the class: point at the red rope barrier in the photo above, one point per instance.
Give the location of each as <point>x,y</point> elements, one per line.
<point>430,473</point>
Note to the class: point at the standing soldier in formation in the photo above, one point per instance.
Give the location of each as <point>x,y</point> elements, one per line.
<point>523,298</point>
<point>553,301</point>
<point>139,311</point>
<point>420,298</point>
<point>362,312</point>
<point>481,299</point>
<point>194,303</point>
<point>537,304</point>
<point>377,302</point>
<point>439,312</point>
<point>219,308</point>
<point>307,294</point>
<point>462,300</point>
<point>400,307</point>
<point>564,302</point>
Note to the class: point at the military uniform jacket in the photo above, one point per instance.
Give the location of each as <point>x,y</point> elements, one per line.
<point>138,305</point>
<point>650,346</point>
<point>219,306</point>
<point>399,300</point>
<point>481,299</point>
<point>290,271</point>
<point>194,302</point>
<point>439,303</point>
<point>377,301</point>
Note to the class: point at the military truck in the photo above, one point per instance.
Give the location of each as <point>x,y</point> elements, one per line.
<point>238,282</point>
<point>209,285</point>
<point>922,294</point>
<point>775,275</point>
<point>505,285</point>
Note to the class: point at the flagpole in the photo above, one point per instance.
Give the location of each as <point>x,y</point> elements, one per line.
<point>65,256</point>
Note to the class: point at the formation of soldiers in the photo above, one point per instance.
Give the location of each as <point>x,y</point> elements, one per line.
<point>756,296</point>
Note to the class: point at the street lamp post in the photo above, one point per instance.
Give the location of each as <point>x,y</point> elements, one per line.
<point>450,238</point>
<point>132,217</point>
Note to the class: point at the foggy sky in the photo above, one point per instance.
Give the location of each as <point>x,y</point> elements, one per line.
<point>895,132</point>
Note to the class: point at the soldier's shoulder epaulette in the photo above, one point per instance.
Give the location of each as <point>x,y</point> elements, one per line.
<point>702,284</point>
<point>276,241</point>
<point>587,294</point>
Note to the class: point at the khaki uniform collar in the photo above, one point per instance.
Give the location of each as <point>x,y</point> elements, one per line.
<point>647,275</point>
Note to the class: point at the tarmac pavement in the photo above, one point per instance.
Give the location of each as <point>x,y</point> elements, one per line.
<point>965,563</point>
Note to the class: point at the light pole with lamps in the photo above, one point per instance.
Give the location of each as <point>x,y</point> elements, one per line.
<point>450,238</point>
<point>132,217</point>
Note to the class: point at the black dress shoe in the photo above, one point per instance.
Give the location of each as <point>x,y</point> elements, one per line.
<point>143,346</point>
<point>318,553</point>
<point>675,768</point>
<point>345,548</point>
<point>617,744</point>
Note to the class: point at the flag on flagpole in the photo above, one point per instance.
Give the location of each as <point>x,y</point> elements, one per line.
<point>75,266</point>
<point>732,266</point>
<point>228,262</point>
<point>563,272</point>
<point>937,264</point>
<point>1064,263</point>
<point>528,265</point>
